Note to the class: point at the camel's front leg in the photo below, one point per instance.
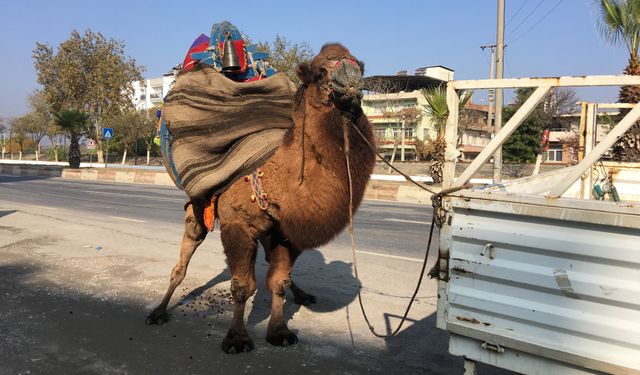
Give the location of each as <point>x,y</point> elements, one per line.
<point>194,233</point>
<point>278,281</point>
<point>241,251</point>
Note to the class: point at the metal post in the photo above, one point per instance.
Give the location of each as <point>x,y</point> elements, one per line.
<point>589,144</point>
<point>469,367</point>
<point>491,91</point>
<point>450,134</point>
<point>497,156</point>
<point>106,159</point>
<point>582,130</point>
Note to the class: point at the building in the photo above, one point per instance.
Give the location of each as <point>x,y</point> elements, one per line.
<point>395,107</point>
<point>476,133</point>
<point>151,92</point>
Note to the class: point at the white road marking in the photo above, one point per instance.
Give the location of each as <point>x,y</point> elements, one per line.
<point>408,221</point>
<point>44,207</point>
<point>390,256</point>
<point>135,195</point>
<point>127,219</point>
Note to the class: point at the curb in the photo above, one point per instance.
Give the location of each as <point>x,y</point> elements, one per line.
<point>377,189</point>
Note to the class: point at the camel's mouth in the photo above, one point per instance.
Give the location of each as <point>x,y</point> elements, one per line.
<point>346,82</point>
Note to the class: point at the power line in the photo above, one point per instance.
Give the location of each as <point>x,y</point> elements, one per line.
<point>527,16</point>
<point>516,13</point>
<point>536,24</point>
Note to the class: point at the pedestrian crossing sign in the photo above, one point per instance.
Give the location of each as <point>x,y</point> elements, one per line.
<point>107,133</point>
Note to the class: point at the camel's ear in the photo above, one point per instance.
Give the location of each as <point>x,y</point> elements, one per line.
<point>307,73</point>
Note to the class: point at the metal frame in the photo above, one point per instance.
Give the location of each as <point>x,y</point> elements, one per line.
<point>543,203</point>
<point>544,85</point>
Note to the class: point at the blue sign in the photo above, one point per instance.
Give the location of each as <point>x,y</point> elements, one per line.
<point>107,133</point>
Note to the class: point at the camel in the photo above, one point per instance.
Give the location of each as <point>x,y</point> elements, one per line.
<point>307,187</point>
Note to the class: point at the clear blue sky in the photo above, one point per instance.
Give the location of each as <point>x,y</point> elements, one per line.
<point>543,39</point>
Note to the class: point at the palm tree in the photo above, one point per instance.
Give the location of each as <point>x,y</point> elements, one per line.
<point>74,124</point>
<point>619,23</point>
<point>437,109</point>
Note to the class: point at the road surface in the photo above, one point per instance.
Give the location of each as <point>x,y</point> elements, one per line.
<point>82,263</point>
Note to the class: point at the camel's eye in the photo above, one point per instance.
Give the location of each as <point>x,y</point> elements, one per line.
<point>308,73</point>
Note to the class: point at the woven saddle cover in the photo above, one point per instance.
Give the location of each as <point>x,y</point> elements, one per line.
<point>215,130</point>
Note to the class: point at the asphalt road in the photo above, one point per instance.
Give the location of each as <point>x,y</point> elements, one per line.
<point>385,228</point>
<point>82,264</point>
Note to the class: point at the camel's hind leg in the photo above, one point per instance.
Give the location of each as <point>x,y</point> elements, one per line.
<point>194,233</point>
<point>282,258</point>
<point>300,297</point>
<point>241,250</point>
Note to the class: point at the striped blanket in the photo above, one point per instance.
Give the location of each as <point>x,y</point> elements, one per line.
<point>215,130</point>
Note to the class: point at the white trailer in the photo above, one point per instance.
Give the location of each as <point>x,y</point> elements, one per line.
<point>534,276</point>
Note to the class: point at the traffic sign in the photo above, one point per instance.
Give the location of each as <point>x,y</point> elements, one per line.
<point>107,133</point>
<point>91,144</point>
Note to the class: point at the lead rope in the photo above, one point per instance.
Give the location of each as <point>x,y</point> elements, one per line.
<point>436,200</point>
<point>353,247</point>
<point>406,176</point>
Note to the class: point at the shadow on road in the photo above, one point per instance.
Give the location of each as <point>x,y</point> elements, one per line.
<point>7,213</point>
<point>333,293</point>
<point>11,178</point>
<point>49,328</point>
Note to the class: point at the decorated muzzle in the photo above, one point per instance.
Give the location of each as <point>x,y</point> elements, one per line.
<point>346,82</point>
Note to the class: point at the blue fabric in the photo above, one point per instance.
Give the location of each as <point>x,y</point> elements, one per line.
<point>167,155</point>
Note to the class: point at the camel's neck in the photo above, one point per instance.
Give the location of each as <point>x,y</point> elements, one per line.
<point>320,134</point>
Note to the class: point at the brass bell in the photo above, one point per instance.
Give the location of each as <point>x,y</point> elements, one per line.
<point>230,62</point>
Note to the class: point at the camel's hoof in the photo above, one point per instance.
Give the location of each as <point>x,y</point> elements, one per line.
<point>282,337</point>
<point>305,299</point>
<point>236,342</point>
<point>158,316</point>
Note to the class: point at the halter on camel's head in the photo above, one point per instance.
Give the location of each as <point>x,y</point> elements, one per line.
<point>336,76</point>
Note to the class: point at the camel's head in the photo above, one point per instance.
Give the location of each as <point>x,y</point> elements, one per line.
<point>336,76</point>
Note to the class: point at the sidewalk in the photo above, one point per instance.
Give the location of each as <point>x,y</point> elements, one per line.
<point>381,187</point>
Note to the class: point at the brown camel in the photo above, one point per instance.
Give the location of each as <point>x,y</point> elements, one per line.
<point>307,187</point>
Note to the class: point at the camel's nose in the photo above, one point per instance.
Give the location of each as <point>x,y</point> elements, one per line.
<point>346,82</point>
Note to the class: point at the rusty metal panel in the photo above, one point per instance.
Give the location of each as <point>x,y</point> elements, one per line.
<point>530,276</point>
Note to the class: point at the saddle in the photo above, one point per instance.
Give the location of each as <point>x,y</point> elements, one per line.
<point>226,114</point>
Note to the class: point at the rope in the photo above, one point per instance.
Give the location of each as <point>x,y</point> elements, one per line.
<point>437,199</point>
<point>353,248</point>
<point>304,121</point>
<point>406,176</point>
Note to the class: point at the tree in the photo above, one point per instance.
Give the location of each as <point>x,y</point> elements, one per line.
<point>560,101</point>
<point>39,120</point>
<point>524,143</point>
<point>285,56</point>
<point>3,129</point>
<point>619,24</point>
<point>148,129</point>
<point>88,74</point>
<point>20,135</point>
<point>438,110</point>
<point>74,124</point>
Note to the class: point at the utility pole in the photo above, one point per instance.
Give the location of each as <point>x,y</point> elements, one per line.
<point>497,157</point>
<point>491,76</point>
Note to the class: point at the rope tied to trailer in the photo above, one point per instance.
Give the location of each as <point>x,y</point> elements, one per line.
<point>436,200</point>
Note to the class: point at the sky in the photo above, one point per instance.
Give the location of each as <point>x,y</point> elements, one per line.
<point>543,37</point>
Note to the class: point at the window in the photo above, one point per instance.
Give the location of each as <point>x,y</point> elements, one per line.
<point>554,154</point>
<point>379,134</point>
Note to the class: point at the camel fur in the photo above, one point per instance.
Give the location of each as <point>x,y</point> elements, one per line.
<point>307,185</point>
